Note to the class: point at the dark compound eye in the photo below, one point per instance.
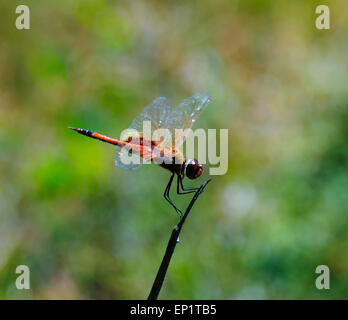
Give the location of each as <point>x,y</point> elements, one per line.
<point>199,171</point>
<point>193,169</point>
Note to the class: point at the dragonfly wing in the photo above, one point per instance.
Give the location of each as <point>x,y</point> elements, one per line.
<point>123,159</point>
<point>158,114</point>
<point>186,113</point>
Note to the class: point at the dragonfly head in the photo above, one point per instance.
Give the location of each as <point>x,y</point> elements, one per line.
<point>192,169</point>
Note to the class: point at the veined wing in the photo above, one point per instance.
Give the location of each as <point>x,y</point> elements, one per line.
<point>120,162</point>
<point>133,155</point>
<point>185,114</point>
<point>160,115</point>
<point>153,117</point>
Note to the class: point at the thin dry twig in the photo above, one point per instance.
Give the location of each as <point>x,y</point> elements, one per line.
<point>173,240</point>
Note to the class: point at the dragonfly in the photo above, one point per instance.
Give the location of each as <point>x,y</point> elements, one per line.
<point>160,115</point>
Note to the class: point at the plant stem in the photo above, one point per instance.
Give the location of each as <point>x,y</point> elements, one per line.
<point>173,240</point>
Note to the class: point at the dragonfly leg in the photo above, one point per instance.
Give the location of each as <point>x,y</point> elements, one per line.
<point>166,196</point>
<point>181,184</point>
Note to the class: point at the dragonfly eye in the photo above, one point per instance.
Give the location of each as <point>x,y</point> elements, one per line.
<point>193,169</point>
<point>199,171</point>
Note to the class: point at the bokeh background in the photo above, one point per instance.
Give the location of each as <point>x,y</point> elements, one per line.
<point>88,230</point>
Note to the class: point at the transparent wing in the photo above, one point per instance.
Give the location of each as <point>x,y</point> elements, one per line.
<point>157,114</point>
<point>153,117</point>
<point>122,160</point>
<point>185,115</point>
<point>160,117</point>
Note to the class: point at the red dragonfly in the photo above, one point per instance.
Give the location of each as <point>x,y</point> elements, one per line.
<point>160,115</point>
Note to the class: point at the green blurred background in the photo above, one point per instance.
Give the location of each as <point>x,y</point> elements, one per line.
<point>89,230</point>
